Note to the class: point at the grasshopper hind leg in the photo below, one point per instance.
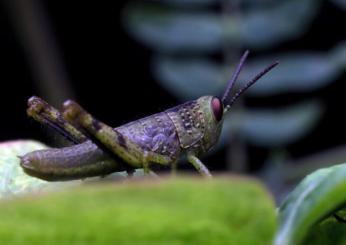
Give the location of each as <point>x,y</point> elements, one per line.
<point>82,160</point>
<point>110,139</point>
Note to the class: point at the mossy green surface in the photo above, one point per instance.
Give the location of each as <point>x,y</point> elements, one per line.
<point>173,211</point>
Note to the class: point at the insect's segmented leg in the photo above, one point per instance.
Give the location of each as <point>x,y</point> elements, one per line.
<point>109,138</point>
<point>46,114</point>
<point>146,163</point>
<point>203,170</point>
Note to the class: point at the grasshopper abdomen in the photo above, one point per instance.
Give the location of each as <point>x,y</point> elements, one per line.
<point>68,163</point>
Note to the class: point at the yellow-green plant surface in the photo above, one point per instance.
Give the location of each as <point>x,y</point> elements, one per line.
<point>226,210</point>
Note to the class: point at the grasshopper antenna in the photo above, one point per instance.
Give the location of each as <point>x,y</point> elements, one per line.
<point>234,78</point>
<point>250,83</point>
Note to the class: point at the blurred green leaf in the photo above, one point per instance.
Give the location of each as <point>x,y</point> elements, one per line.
<point>170,30</point>
<point>317,196</point>
<point>269,127</point>
<point>266,27</point>
<point>173,211</point>
<point>338,55</point>
<point>300,72</point>
<point>189,78</point>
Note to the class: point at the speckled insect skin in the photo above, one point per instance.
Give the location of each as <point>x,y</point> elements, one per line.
<point>191,128</point>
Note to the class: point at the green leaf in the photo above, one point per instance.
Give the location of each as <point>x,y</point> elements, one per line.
<point>266,27</point>
<point>173,211</point>
<point>317,196</point>
<point>189,78</point>
<point>300,72</point>
<point>168,30</point>
<point>338,55</point>
<point>269,127</point>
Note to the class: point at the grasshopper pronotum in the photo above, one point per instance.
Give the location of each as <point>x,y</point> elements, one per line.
<point>191,128</point>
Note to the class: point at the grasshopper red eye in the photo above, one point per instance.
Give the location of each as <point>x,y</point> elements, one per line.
<point>217,108</point>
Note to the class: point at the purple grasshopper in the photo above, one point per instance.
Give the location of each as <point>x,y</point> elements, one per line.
<point>191,128</point>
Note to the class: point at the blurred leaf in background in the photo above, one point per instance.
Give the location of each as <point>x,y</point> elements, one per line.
<point>297,72</point>
<point>167,29</point>
<point>273,127</point>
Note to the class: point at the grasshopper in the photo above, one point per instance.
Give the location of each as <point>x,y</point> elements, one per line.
<point>191,128</point>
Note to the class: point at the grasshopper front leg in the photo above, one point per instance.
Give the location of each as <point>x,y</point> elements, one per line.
<point>114,142</point>
<point>200,167</point>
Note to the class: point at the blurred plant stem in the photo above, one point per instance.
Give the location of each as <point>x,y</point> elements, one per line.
<point>34,32</point>
<point>236,153</point>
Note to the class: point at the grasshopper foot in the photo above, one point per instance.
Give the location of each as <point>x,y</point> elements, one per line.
<point>36,106</point>
<point>42,112</point>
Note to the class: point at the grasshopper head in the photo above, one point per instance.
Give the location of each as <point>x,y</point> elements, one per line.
<point>211,113</point>
<point>213,108</point>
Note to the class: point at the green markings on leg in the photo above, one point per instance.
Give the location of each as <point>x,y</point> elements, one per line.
<point>200,167</point>
<point>45,114</point>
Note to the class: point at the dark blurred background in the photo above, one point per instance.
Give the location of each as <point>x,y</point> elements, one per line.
<point>120,60</point>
